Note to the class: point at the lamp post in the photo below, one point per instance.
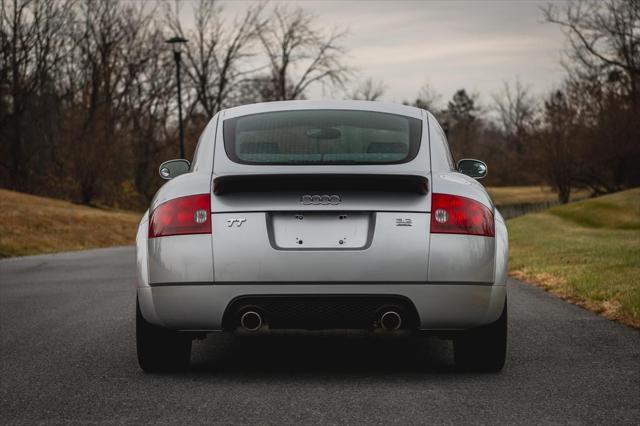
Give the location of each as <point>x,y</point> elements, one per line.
<point>176,43</point>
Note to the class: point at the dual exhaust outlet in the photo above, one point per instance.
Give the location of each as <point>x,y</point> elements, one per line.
<point>390,320</point>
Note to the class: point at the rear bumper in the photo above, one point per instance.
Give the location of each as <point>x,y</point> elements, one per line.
<point>439,306</point>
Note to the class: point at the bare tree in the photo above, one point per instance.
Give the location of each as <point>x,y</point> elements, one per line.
<point>603,85</point>
<point>300,55</point>
<point>216,52</point>
<point>369,90</point>
<point>603,36</point>
<point>557,144</point>
<point>32,47</point>
<point>111,50</point>
<point>428,98</point>
<point>516,112</point>
<point>149,108</point>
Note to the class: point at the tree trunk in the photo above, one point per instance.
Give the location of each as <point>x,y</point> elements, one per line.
<point>564,193</point>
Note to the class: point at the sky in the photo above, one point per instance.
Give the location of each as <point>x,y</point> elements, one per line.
<point>476,45</point>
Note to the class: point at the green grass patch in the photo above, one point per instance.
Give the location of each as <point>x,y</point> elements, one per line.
<point>587,252</point>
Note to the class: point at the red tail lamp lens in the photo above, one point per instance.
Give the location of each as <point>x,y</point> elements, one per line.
<point>453,214</point>
<point>182,216</point>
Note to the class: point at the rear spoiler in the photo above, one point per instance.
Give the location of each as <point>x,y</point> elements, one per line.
<point>324,182</point>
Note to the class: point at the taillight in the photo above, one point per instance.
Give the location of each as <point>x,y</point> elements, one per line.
<point>180,216</point>
<point>453,214</point>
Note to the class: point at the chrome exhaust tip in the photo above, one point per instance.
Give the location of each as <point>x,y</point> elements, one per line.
<point>251,321</point>
<point>390,320</point>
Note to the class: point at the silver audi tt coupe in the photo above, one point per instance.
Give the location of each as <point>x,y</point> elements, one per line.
<point>322,215</point>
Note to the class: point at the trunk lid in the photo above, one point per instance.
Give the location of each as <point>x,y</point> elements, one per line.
<point>267,229</point>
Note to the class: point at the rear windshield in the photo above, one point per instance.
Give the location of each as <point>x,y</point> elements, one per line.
<point>322,137</point>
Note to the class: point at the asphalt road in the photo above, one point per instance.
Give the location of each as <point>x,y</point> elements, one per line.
<point>67,355</point>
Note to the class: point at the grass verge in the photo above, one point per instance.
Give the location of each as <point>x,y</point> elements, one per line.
<point>587,253</point>
<point>35,225</point>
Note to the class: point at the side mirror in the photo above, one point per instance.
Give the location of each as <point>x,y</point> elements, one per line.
<point>473,168</point>
<point>173,168</point>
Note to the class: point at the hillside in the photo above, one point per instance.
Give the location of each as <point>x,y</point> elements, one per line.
<point>35,225</point>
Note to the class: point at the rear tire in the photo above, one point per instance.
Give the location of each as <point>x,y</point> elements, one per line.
<point>483,348</point>
<point>159,349</point>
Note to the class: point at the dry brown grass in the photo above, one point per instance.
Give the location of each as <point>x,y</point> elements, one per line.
<point>35,225</point>
<point>610,309</point>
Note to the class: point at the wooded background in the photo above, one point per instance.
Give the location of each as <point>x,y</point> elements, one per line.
<point>88,94</point>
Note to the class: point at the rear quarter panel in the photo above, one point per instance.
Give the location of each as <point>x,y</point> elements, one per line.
<point>461,258</point>
<point>181,258</point>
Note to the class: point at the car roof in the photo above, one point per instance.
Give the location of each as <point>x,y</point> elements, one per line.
<point>375,106</point>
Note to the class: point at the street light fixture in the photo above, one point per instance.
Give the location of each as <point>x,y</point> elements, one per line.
<point>176,44</point>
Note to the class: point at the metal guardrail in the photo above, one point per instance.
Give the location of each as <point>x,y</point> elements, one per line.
<point>510,211</point>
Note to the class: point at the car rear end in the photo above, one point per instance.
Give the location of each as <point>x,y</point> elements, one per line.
<point>324,216</point>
